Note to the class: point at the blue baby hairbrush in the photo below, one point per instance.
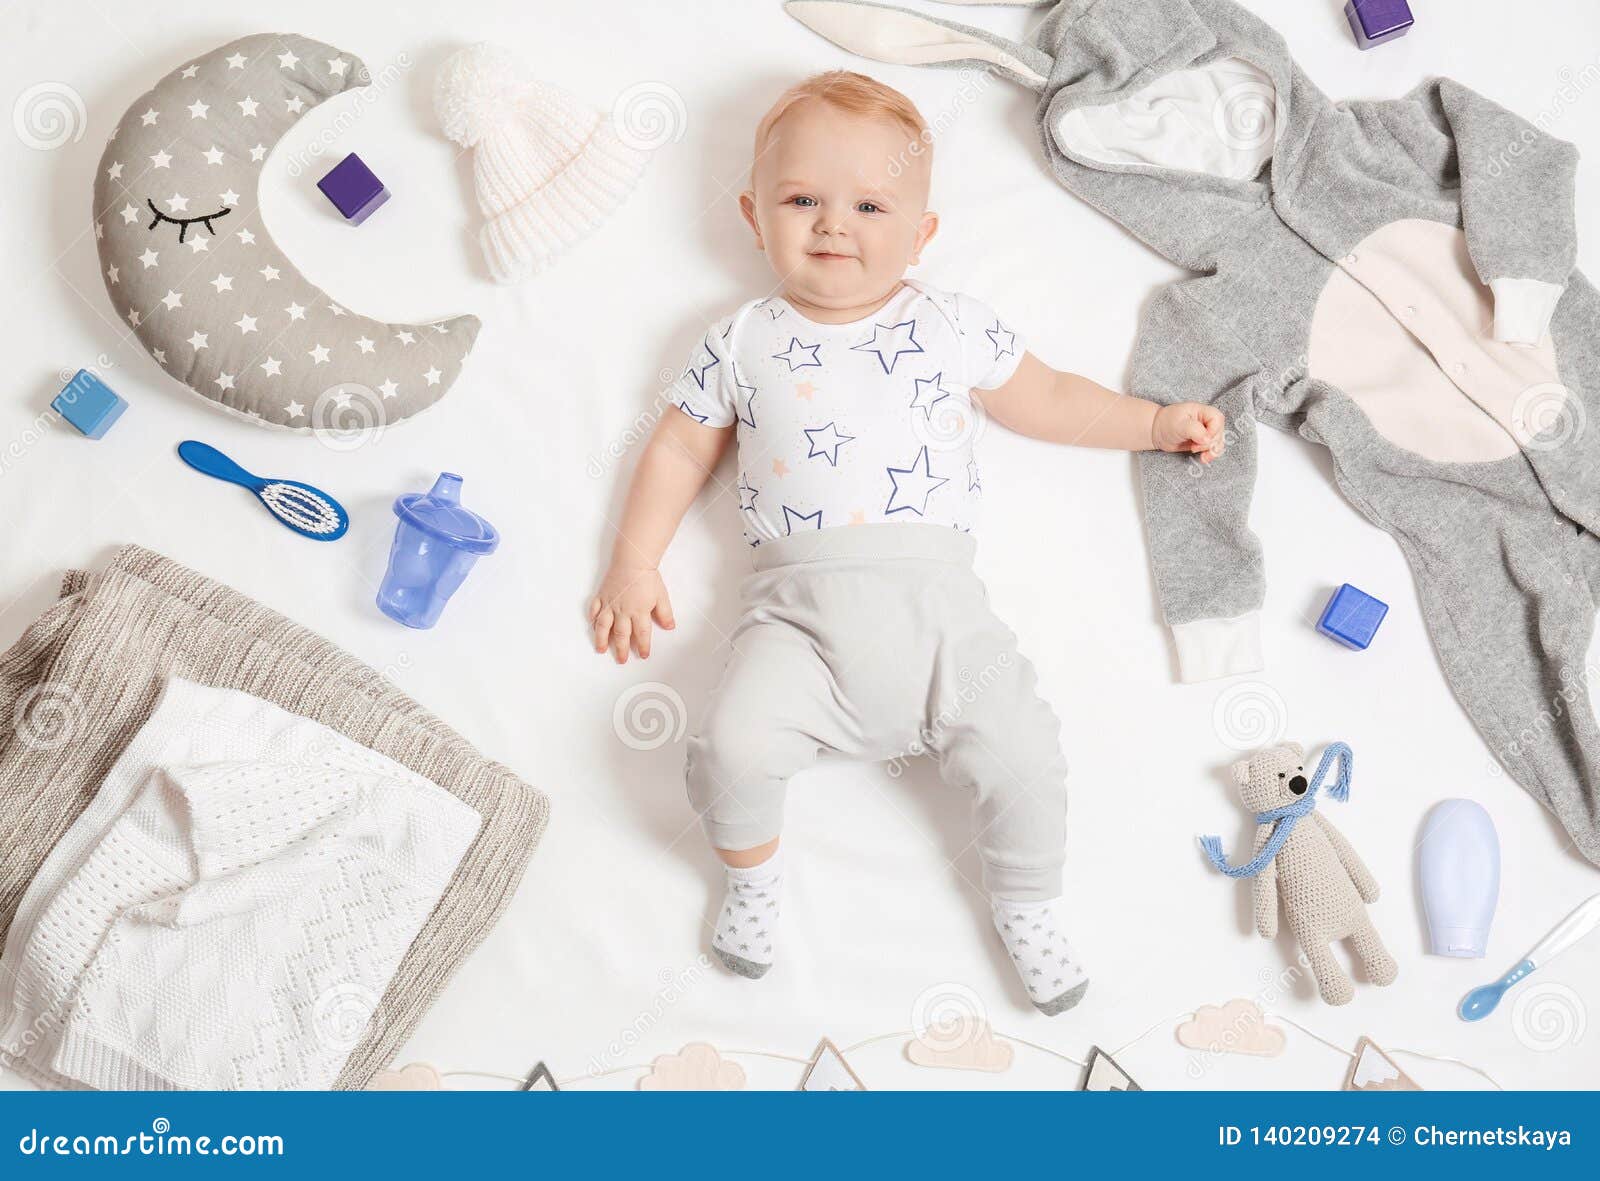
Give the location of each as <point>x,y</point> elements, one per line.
<point>309,511</point>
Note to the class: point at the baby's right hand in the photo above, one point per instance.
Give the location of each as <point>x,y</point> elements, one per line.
<point>629,599</point>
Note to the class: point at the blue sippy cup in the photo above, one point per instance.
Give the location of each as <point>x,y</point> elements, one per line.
<point>435,544</point>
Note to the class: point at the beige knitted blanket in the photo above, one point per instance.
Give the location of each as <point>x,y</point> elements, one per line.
<point>86,675</point>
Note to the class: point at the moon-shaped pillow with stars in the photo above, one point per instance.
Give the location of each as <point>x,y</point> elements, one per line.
<point>193,272</point>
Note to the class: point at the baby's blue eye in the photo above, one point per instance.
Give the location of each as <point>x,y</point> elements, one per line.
<point>869,207</point>
<point>803,202</point>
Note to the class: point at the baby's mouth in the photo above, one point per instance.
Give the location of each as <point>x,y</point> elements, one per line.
<point>830,256</point>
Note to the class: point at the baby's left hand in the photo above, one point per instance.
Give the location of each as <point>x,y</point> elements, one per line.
<point>1189,426</point>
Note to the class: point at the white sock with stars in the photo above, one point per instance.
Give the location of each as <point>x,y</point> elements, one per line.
<point>1044,959</point>
<point>747,924</point>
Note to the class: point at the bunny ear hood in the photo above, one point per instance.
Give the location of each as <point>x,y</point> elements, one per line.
<point>903,37</point>
<point>1172,116</point>
<point>1175,117</point>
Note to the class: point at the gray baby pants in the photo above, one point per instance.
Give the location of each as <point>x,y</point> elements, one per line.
<point>877,641</point>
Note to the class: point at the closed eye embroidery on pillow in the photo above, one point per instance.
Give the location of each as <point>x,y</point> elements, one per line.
<point>183,223</point>
<point>327,364</point>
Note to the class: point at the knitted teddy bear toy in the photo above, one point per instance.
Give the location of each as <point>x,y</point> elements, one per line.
<point>1300,857</point>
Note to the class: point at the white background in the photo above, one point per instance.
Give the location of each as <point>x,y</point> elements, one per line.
<point>596,958</point>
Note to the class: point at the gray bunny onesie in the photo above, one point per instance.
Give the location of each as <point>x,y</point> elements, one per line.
<point>1391,279</point>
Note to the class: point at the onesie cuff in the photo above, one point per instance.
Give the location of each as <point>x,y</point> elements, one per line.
<point>1213,648</point>
<point>1522,309</point>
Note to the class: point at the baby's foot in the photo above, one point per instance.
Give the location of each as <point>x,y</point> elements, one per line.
<point>1043,957</point>
<point>747,924</point>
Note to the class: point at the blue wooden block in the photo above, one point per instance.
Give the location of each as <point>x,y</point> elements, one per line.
<point>89,404</point>
<point>353,189</point>
<point>1352,617</point>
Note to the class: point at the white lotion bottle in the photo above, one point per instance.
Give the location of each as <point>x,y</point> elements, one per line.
<point>1460,868</point>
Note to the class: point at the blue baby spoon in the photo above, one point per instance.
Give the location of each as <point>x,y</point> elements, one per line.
<point>1480,1002</point>
<point>309,511</point>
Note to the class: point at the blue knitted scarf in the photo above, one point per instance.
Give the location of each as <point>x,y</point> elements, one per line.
<point>1287,817</point>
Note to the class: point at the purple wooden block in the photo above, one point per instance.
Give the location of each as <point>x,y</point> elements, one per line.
<point>352,188</point>
<point>1376,21</point>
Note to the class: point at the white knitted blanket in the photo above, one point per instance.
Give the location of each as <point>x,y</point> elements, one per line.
<point>228,910</point>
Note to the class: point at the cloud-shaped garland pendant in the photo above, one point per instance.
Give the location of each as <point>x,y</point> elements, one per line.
<point>192,270</point>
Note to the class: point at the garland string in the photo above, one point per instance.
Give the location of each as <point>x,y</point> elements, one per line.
<point>1032,1045</point>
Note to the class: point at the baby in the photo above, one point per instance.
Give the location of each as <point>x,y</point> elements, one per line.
<point>853,392</point>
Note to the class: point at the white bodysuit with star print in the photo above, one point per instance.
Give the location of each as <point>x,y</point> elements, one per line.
<point>852,424</point>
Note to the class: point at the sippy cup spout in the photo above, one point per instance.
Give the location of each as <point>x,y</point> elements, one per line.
<point>447,488</point>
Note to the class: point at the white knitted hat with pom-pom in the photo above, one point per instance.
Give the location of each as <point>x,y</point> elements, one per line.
<point>548,168</point>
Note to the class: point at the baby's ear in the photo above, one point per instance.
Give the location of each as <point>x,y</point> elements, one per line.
<point>1241,772</point>
<point>747,207</point>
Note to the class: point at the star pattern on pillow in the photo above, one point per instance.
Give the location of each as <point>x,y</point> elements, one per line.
<point>231,316</point>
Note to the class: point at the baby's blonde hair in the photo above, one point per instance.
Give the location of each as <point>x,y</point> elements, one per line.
<point>847,91</point>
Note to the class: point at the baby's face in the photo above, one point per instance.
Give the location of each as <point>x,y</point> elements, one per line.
<point>839,205</point>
